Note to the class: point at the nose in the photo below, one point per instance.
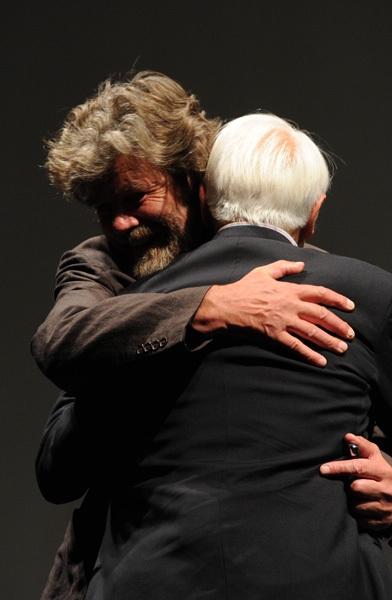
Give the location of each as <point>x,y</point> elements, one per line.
<point>122,222</point>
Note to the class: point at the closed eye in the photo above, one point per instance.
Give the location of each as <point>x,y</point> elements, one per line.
<point>132,199</point>
<point>128,202</point>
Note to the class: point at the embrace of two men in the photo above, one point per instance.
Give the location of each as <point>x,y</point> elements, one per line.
<point>212,470</point>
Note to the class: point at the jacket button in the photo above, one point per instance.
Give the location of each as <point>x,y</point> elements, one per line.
<point>151,346</point>
<point>163,342</point>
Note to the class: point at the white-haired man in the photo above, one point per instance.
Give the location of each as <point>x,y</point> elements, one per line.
<point>217,490</point>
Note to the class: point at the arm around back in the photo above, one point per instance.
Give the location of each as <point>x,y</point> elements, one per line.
<point>91,330</point>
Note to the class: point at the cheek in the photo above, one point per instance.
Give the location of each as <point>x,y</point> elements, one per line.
<point>179,213</point>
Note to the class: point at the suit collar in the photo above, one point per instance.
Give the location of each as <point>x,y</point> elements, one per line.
<point>245,230</point>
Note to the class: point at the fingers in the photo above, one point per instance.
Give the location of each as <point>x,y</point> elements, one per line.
<point>370,491</point>
<point>323,295</point>
<point>371,465</point>
<point>366,448</point>
<point>280,268</point>
<point>311,293</point>
<point>284,311</point>
<point>342,467</point>
<point>312,333</point>
<point>371,517</point>
<point>320,337</point>
<point>295,344</point>
<point>313,312</point>
<point>304,328</point>
<point>312,315</point>
<point>371,507</point>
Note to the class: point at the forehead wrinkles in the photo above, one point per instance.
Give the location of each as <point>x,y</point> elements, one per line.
<point>135,172</point>
<point>127,174</point>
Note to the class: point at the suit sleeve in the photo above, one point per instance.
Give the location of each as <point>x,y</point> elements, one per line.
<point>64,465</point>
<point>74,455</point>
<point>91,332</point>
<point>382,399</point>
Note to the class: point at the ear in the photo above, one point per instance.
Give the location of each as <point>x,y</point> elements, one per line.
<point>306,232</point>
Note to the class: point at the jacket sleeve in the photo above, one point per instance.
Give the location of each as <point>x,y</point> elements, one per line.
<point>91,332</point>
<point>381,392</point>
<point>64,465</point>
<point>74,455</point>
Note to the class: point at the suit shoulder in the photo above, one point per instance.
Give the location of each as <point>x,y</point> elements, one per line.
<point>94,252</point>
<point>92,249</point>
<point>355,274</point>
<point>93,259</point>
<point>359,265</point>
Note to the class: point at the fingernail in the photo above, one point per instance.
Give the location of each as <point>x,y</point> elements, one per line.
<point>351,333</point>
<point>350,304</point>
<point>342,347</point>
<point>325,470</point>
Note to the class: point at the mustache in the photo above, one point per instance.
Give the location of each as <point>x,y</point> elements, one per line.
<point>141,234</point>
<point>160,234</point>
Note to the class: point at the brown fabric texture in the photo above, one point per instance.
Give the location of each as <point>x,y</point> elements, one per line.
<point>75,558</point>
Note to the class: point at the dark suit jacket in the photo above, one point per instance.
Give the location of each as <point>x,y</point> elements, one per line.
<point>216,491</point>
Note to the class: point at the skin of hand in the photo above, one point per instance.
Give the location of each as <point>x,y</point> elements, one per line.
<point>278,309</point>
<point>370,493</point>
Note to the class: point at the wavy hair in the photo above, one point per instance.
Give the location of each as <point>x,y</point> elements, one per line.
<point>149,116</point>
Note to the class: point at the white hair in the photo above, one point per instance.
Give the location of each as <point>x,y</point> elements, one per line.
<point>262,169</point>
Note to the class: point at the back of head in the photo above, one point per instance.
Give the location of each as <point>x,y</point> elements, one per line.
<point>262,169</point>
<point>149,116</point>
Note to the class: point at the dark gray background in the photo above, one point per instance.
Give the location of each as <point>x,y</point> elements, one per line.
<point>325,64</point>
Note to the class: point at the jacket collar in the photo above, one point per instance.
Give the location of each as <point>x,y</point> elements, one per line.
<point>245,230</point>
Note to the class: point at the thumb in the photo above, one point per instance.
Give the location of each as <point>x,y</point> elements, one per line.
<point>280,268</point>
